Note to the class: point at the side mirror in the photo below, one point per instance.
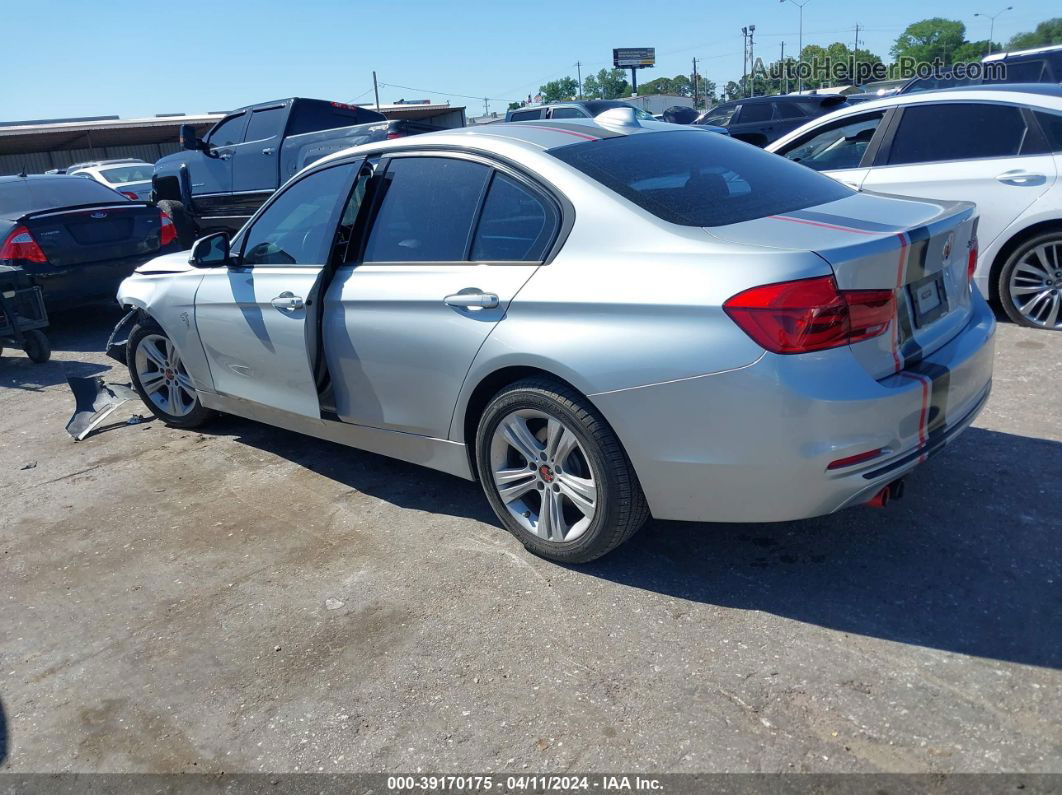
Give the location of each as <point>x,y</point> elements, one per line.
<point>211,251</point>
<point>189,139</point>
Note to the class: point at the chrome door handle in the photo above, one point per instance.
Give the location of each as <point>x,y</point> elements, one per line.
<point>1021,178</point>
<point>224,155</point>
<point>472,298</point>
<point>268,150</point>
<point>288,302</point>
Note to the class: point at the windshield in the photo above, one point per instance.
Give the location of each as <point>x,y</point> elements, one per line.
<point>696,178</point>
<point>29,195</point>
<point>138,172</point>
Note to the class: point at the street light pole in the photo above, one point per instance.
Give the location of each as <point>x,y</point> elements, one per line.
<point>992,24</point>
<point>800,51</point>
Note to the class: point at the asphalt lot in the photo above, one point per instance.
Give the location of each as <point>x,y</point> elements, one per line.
<point>247,599</point>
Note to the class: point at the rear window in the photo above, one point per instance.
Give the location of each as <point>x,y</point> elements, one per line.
<point>29,195</point>
<point>697,178</point>
<point>134,173</point>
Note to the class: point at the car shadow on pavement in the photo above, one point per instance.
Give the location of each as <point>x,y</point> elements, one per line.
<point>18,372</point>
<point>970,561</point>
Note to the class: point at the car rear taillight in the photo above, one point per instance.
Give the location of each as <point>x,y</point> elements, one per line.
<point>20,245</point>
<point>971,260</point>
<point>392,135</point>
<point>129,195</point>
<point>810,314</point>
<point>167,232</point>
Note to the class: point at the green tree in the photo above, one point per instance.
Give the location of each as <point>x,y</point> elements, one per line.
<point>515,105</point>
<point>973,51</point>
<point>591,88</point>
<point>930,39</point>
<point>1046,33</point>
<point>557,90</point>
<point>732,91</point>
<point>607,84</point>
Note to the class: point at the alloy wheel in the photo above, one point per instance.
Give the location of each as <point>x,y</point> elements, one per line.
<point>543,476</point>
<point>1036,285</point>
<point>162,375</point>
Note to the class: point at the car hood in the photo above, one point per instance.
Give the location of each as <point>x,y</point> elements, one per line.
<point>177,262</point>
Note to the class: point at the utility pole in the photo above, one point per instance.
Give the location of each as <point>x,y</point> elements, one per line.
<point>695,84</point>
<point>376,90</point>
<point>992,26</point>
<point>752,59</point>
<point>579,70</point>
<point>785,72</point>
<point>745,62</point>
<point>486,106</point>
<point>800,46</point>
<point>856,48</point>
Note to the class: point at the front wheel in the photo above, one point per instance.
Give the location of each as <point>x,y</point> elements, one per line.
<point>37,346</point>
<point>555,473</point>
<point>161,380</point>
<point>1030,284</point>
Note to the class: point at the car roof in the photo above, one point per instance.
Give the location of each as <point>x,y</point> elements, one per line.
<point>533,136</point>
<point>1000,56</point>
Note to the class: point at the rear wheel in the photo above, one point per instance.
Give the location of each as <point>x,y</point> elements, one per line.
<point>555,473</point>
<point>182,221</point>
<point>35,344</point>
<point>161,380</point>
<point>1030,283</point>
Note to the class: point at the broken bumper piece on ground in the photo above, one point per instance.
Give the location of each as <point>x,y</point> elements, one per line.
<point>94,402</point>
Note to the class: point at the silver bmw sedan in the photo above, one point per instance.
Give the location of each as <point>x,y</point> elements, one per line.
<point>598,320</point>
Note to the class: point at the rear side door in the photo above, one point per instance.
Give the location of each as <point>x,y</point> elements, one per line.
<point>257,319</point>
<point>452,239</point>
<point>988,153</point>
<point>255,162</point>
<point>753,123</point>
<point>842,148</point>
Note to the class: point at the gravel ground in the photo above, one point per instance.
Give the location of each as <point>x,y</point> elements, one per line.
<point>247,599</point>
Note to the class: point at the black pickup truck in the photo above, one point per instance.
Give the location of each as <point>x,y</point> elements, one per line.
<point>216,183</point>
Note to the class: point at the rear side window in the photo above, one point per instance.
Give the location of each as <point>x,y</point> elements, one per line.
<point>1020,71</point>
<point>313,116</point>
<point>526,115</point>
<point>759,111</point>
<point>265,124</point>
<point>29,195</point>
<point>720,116</point>
<point>1051,124</point>
<point>789,110</point>
<point>515,225</point>
<point>697,178</point>
<point>427,210</point>
<point>567,113</point>
<point>957,131</point>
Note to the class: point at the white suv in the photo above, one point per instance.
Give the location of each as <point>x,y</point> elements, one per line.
<point>1000,147</point>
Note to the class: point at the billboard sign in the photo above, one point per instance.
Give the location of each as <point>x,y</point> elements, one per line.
<point>633,57</point>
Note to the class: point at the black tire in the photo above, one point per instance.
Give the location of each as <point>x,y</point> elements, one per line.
<point>1053,274</point>
<point>36,346</point>
<point>196,416</point>
<point>621,508</point>
<point>187,231</point>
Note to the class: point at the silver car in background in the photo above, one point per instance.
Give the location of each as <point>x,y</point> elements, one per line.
<point>599,320</point>
<point>131,178</point>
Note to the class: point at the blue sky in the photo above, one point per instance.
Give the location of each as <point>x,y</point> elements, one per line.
<point>73,57</point>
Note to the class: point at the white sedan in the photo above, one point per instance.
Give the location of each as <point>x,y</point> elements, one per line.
<point>132,179</point>
<point>1000,147</point>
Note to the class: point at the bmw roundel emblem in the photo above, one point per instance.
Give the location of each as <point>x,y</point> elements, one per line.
<point>947,246</point>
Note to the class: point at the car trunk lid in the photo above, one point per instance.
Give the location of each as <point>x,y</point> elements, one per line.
<point>921,254</point>
<point>96,232</point>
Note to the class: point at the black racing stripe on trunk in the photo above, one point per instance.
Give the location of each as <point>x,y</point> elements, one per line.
<point>917,254</point>
<point>939,389</point>
<point>842,220</point>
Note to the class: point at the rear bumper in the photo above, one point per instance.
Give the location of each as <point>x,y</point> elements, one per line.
<point>753,444</point>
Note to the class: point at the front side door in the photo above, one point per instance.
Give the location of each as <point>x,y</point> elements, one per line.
<point>838,148</point>
<point>966,151</point>
<point>257,319</point>
<point>211,171</point>
<point>256,161</point>
<point>451,242</point>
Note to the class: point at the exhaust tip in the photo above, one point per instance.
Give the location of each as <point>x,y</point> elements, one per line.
<point>893,491</point>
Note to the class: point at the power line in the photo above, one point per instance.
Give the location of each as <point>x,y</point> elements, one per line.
<point>445,93</point>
